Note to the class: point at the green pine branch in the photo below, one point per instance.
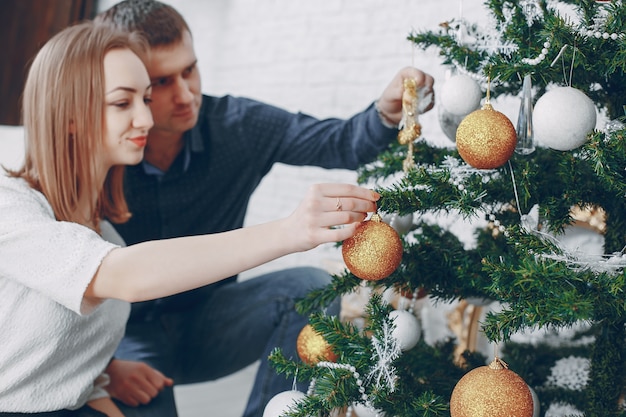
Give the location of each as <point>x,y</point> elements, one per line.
<point>512,261</point>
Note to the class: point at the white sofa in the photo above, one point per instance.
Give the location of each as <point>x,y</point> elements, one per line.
<point>11,146</point>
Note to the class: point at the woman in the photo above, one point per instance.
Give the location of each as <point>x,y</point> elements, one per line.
<point>65,289</point>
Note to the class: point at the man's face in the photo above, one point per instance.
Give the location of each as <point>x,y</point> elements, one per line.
<point>176,89</point>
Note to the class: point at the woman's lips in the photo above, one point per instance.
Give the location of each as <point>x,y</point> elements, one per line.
<point>140,141</point>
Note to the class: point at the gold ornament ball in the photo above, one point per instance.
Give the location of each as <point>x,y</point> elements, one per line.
<point>312,347</point>
<point>491,391</point>
<point>486,138</point>
<point>374,251</point>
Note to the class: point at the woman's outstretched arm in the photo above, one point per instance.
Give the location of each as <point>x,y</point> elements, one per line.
<point>160,268</point>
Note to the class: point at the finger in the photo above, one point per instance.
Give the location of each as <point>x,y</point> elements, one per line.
<point>147,388</point>
<point>424,83</point>
<point>422,79</point>
<point>160,381</point>
<point>343,190</point>
<point>349,204</point>
<point>134,399</point>
<point>340,234</point>
<point>143,397</point>
<point>333,219</point>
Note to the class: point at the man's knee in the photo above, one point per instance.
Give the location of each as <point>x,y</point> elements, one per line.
<point>304,279</point>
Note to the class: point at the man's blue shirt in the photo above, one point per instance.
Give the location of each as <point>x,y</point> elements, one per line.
<point>226,155</point>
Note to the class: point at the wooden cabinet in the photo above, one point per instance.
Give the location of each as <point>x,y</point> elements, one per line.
<point>25,25</point>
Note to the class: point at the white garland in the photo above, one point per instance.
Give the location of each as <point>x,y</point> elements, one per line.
<point>385,352</point>
<point>610,264</point>
<point>563,410</point>
<point>571,373</point>
<point>346,367</point>
<point>382,372</point>
<point>491,41</point>
<point>531,11</point>
<point>578,261</point>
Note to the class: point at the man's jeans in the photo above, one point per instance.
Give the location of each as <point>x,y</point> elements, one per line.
<point>238,324</point>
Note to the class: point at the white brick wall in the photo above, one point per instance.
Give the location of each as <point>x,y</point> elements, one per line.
<point>328,58</point>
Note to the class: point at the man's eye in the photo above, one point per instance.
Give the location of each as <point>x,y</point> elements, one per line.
<point>160,82</point>
<point>188,71</point>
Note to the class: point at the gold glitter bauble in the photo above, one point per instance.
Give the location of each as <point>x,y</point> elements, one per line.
<point>312,347</point>
<point>491,391</point>
<point>486,138</point>
<point>374,251</point>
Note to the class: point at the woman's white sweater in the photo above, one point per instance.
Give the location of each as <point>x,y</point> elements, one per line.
<point>53,344</point>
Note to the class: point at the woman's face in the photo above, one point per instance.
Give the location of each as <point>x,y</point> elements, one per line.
<point>127,113</point>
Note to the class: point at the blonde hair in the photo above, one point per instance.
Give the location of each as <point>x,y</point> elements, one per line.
<point>63,115</point>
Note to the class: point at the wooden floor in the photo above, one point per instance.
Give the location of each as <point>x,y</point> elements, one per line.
<point>226,397</point>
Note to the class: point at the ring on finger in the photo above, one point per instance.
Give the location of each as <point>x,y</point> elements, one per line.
<point>339,206</point>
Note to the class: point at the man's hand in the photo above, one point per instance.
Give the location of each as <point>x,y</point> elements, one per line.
<point>390,102</point>
<point>135,383</point>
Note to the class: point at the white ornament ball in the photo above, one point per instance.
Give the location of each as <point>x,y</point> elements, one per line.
<point>563,117</point>
<point>449,122</point>
<point>407,329</point>
<point>401,224</point>
<point>363,411</point>
<point>479,301</point>
<point>282,402</point>
<point>460,95</point>
<point>536,405</point>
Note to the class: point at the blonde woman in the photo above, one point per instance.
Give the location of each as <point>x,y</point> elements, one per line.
<point>65,290</point>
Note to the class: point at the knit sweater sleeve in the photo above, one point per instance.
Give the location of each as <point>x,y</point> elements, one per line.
<point>55,258</point>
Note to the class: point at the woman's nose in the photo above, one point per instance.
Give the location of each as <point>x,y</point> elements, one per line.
<point>143,118</point>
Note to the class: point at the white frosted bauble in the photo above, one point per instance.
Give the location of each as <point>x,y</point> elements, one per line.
<point>389,295</point>
<point>401,224</point>
<point>536,405</point>
<point>363,411</point>
<point>563,117</point>
<point>449,122</point>
<point>282,402</point>
<point>478,301</point>
<point>407,329</point>
<point>461,95</point>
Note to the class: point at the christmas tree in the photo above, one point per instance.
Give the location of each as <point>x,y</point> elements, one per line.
<point>566,63</point>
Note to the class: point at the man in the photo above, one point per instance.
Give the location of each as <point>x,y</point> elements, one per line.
<point>204,159</point>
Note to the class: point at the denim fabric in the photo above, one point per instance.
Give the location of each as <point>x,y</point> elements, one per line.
<point>84,411</point>
<point>218,329</point>
<point>237,324</point>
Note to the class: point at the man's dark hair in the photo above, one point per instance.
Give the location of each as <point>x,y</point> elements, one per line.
<point>160,23</point>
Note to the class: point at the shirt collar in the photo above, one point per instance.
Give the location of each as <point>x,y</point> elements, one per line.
<point>192,143</point>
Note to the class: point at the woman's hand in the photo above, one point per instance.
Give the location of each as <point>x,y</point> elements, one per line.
<point>143,271</point>
<point>330,213</point>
